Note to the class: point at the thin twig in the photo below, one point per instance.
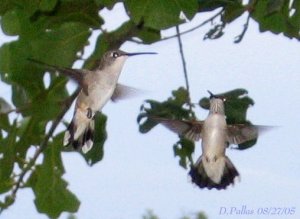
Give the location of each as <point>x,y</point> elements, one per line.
<point>240,37</point>
<point>184,32</point>
<point>196,27</point>
<point>184,67</point>
<point>44,144</point>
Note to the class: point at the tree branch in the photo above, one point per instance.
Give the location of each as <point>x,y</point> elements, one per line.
<point>184,68</point>
<point>196,27</point>
<point>44,144</point>
<point>184,32</point>
<point>240,37</point>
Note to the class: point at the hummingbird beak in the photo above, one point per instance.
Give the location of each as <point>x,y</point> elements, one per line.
<point>140,53</point>
<point>211,95</point>
<point>216,96</point>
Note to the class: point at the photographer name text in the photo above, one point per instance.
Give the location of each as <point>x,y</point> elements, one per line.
<point>245,210</point>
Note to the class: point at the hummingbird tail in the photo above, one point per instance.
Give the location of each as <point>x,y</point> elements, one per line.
<point>217,173</point>
<point>80,136</point>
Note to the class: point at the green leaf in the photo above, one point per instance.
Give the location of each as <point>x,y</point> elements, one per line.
<point>247,144</point>
<point>10,23</point>
<point>19,96</point>
<point>175,107</point>
<point>274,6</point>
<point>184,148</point>
<point>8,200</point>
<point>7,152</point>
<point>29,6</point>
<point>31,131</point>
<point>232,12</point>
<point>201,215</point>
<point>60,46</point>
<point>19,21</point>
<point>275,17</point>
<point>16,16</point>
<point>107,3</point>
<point>148,35</point>
<point>4,122</point>
<point>150,215</point>
<point>72,216</point>
<point>53,101</point>
<point>160,14</point>
<point>84,12</point>
<point>147,125</point>
<point>181,96</point>
<point>209,5</point>
<point>51,194</point>
<point>5,5</point>
<point>16,52</point>
<point>189,8</point>
<point>295,18</point>
<point>47,5</point>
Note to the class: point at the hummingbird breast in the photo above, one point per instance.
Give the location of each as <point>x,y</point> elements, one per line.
<point>100,90</point>
<point>214,136</point>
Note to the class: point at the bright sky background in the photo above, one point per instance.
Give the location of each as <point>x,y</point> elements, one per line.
<point>139,171</point>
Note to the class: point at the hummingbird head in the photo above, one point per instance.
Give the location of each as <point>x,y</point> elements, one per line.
<point>115,59</point>
<point>213,96</point>
<point>216,103</point>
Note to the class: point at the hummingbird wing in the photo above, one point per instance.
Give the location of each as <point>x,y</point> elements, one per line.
<point>240,133</point>
<point>189,129</point>
<point>77,75</point>
<point>122,92</point>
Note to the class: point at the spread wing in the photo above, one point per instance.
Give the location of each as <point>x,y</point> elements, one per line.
<point>75,74</point>
<point>123,92</point>
<point>240,133</point>
<point>189,129</point>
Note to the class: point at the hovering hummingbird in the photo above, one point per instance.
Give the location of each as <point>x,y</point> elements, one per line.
<point>97,87</point>
<point>213,169</point>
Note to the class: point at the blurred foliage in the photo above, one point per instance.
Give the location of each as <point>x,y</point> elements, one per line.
<point>56,32</point>
<point>278,16</point>
<point>150,215</point>
<point>72,216</point>
<point>175,107</point>
<point>236,105</point>
<point>51,193</point>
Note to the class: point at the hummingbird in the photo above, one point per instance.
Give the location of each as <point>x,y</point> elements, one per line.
<point>213,169</point>
<point>97,88</point>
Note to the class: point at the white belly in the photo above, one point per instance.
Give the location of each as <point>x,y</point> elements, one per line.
<point>100,96</point>
<point>214,135</point>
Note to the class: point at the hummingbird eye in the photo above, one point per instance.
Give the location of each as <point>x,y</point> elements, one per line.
<point>115,54</point>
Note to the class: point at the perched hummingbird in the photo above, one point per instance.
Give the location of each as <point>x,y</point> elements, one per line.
<point>97,87</point>
<point>213,168</point>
